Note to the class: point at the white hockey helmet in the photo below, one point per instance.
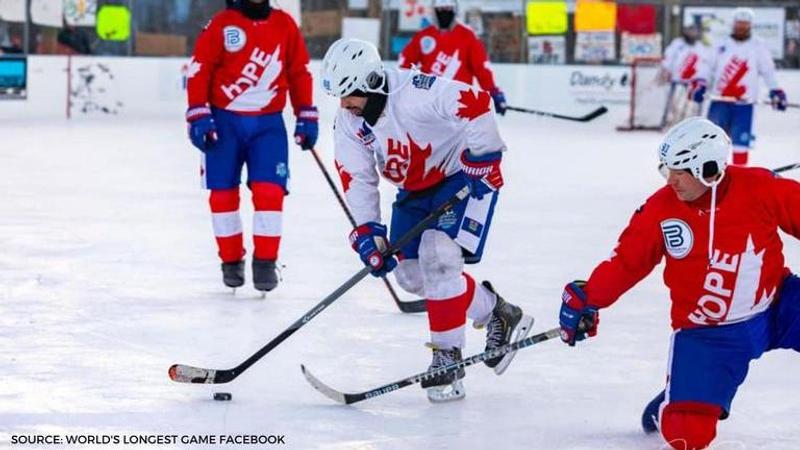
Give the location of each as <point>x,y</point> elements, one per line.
<point>698,145</point>
<point>743,15</point>
<point>352,64</point>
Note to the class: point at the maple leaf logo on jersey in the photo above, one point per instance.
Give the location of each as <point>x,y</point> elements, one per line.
<point>406,165</point>
<point>192,69</point>
<point>473,104</point>
<point>689,69</point>
<point>732,76</point>
<point>343,175</point>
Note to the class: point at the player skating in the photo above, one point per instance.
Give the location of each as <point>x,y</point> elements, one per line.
<point>245,61</point>
<point>451,49</point>
<point>430,137</point>
<point>684,59</point>
<point>732,297</point>
<point>737,62</point>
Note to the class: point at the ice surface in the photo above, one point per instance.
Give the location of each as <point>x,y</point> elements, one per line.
<point>108,275</point>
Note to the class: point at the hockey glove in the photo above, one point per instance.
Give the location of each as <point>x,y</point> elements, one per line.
<point>307,129</point>
<point>778,99</point>
<point>482,173</point>
<point>202,129</point>
<point>577,319</point>
<point>697,90</point>
<point>370,241</point>
<point>499,101</point>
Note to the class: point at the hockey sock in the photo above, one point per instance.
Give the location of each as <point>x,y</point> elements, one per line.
<point>227,223</point>
<point>447,313</point>
<point>482,305</point>
<point>740,158</point>
<point>689,425</point>
<point>267,219</point>
<point>448,291</point>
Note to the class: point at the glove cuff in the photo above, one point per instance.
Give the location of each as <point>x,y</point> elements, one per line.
<point>308,113</point>
<point>575,297</point>
<point>364,230</point>
<point>197,112</point>
<point>469,158</point>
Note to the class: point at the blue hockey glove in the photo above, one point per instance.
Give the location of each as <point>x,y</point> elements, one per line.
<point>307,129</point>
<point>778,99</point>
<point>202,129</point>
<point>697,90</point>
<point>577,319</point>
<point>499,101</point>
<point>370,241</point>
<point>482,173</point>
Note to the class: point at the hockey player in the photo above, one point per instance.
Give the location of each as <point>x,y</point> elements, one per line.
<point>245,61</point>
<point>732,298</point>
<point>428,136</point>
<point>683,61</point>
<point>450,49</point>
<point>736,64</point>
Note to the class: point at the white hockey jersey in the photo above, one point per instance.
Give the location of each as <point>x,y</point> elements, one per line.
<point>685,61</point>
<point>417,141</point>
<point>736,66</point>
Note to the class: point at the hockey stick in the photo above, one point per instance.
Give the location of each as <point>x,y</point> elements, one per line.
<point>189,374</point>
<point>728,99</point>
<point>347,399</point>
<point>415,306</point>
<point>592,115</point>
<point>787,168</point>
<point>788,105</point>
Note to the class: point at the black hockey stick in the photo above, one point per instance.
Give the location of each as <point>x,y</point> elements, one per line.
<point>190,374</point>
<point>788,105</point>
<point>347,399</point>
<point>415,306</point>
<point>592,115</point>
<point>787,168</point>
<point>728,99</point>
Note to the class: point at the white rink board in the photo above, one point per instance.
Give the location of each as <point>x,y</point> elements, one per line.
<point>153,87</point>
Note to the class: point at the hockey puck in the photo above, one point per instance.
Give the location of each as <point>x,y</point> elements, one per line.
<point>222,396</point>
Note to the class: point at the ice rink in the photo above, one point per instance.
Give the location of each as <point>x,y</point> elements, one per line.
<point>109,274</point>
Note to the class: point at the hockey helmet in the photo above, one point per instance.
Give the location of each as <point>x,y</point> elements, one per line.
<point>743,15</point>
<point>698,145</point>
<point>352,65</point>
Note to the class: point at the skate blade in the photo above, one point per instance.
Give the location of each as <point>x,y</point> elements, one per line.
<point>656,426</point>
<point>520,332</point>
<point>442,394</point>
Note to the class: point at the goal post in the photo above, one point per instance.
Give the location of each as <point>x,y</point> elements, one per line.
<point>655,101</point>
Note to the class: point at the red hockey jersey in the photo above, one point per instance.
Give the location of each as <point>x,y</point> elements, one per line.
<point>747,266</point>
<point>247,66</point>
<point>456,54</point>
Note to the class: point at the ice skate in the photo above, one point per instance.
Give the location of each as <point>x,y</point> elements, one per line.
<point>650,414</point>
<point>265,275</point>
<point>507,324</point>
<point>445,387</point>
<point>233,274</point>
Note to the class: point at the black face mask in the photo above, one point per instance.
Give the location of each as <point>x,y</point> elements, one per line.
<point>689,39</point>
<point>254,11</point>
<point>376,103</point>
<point>445,17</point>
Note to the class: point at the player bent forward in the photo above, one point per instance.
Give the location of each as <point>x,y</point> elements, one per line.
<point>732,297</point>
<point>429,137</point>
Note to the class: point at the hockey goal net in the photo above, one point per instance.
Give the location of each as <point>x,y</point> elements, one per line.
<point>655,102</point>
